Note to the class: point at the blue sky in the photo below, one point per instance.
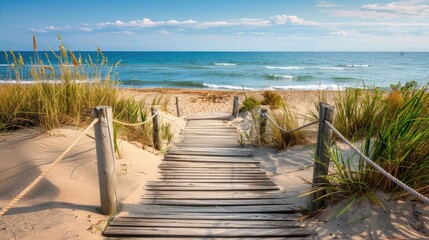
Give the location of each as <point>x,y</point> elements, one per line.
<point>217,25</point>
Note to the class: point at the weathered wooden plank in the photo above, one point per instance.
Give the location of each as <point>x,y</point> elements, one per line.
<point>194,183</point>
<point>175,181</point>
<point>209,117</point>
<point>188,223</point>
<point>217,216</point>
<point>224,173</point>
<point>232,152</point>
<point>222,144</point>
<point>171,176</point>
<point>210,171</point>
<point>219,209</point>
<point>220,238</point>
<point>213,188</point>
<point>209,134</point>
<point>206,232</point>
<point>211,153</point>
<point>221,126</point>
<point>201,149</point>
<point>180,164</point>
<point>210,130</point>
<point>209,159</point>
<point>228,202</point>
<point>166,167</point>
<point>214,178</point>
<point>212,195</point>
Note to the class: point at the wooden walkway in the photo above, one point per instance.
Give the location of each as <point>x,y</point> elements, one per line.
<point>210,189</point>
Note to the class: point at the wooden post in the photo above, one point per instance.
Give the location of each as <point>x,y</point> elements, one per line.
<point>157,141</point>
<point>177,107</point>
<point>263,122</point>
<point>103,131</point>
<point>235,107</point>
<point>321,165</point>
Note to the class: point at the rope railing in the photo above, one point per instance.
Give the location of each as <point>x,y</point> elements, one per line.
<point>291,130</point>
<point>264,114</point>
<point>44,173</point>
<point>135,124</point>
<point>378,168</point>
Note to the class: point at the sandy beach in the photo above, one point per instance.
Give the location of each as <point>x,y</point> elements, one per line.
<point>66,204</point>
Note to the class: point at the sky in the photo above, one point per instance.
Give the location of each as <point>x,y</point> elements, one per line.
<point>217,25</point>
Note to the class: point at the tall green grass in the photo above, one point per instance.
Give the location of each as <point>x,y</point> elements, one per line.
<point>396,139</point>
<point>286,119</point>
<point>74,88</point>
<point>356,110</point>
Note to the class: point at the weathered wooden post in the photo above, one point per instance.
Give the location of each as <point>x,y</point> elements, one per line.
<point>103,131</point>
<point>157,141</point>
<point>321,165</point>
<point>263,122</point>
<point>177,107</point>
<point>235,107</point>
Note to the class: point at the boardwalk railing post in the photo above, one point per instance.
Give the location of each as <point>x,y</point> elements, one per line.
<point>316,200</point>
<point>157,141</point>
<point>235,107</point>
<point>263,122</point>
<point>177,107</point>
<point>103,131</point>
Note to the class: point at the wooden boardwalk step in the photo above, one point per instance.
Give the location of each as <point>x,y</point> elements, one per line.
<point>209,188</point>
<point>227,202</point>
<point>205,232</point>
<point>133,222</point>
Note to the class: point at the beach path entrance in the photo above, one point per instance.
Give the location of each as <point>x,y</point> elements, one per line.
<point>210,188</point>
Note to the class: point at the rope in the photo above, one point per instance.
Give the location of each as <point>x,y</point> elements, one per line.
<point>135,124</point>
<point>292,130</point>
<point>41,176</point>
<point>378,168</point>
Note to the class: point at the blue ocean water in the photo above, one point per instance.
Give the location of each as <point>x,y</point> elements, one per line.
<point>260,70</point>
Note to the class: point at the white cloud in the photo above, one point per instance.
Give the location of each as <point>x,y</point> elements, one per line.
<point>328,4</point>
<point>145,22</point>
<point>398,8</point>
<point>291,19</point>
<point>251,26</point>
<point>415,8</point>
<point>86,29</point>
<point>241,22</point>
<point>47,29</point>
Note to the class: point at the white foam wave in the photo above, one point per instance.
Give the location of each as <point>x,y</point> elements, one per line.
<point>281,76</point>
<point>357,65</point>
<point>283,68</point>
<point>4,65</point>
<point>309,87</point>
<point>225,64</point>
<point>230,87</point>
<point>288,87</point>
<point>332,68</point>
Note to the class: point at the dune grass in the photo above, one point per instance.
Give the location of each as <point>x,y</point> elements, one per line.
<point>249,103</point>
<point>273,99</point>
<point>396,138</point>
<point>286,119</point>
<point>66,93</point>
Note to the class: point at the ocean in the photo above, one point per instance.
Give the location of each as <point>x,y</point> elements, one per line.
<point>259,70</point>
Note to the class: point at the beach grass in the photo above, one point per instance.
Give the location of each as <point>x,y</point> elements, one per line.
<point>65,95</point>
<point>396,138</point>
<point>286,119</point>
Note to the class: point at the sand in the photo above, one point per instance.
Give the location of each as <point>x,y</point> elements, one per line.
<point>66,204</point>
